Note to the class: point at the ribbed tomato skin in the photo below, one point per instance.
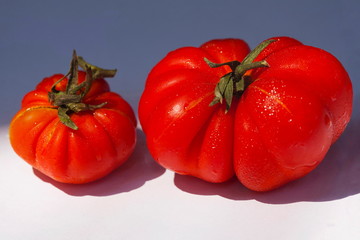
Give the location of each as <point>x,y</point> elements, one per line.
<point>278,130</point>
<point>104,140</point>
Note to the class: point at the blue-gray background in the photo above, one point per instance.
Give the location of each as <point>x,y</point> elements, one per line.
<point>37,37</point>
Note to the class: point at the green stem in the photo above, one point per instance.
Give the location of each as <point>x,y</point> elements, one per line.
<point>243,68</point>
<point>97,71</point>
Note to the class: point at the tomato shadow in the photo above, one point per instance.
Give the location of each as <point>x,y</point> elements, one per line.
<point>133,174</point>
<point>335,178</point>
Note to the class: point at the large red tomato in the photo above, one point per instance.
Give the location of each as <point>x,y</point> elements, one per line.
<point>74,129</point>
<point>272,119</point>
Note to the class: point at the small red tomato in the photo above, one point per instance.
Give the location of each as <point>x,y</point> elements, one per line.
<point>275,112</point>
<point>72,128</point>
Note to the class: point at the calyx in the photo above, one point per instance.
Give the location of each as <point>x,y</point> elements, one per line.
<point>235,82</point>
<point>70,100</point>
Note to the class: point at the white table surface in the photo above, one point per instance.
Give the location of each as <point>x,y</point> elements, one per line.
<point>141,200</point>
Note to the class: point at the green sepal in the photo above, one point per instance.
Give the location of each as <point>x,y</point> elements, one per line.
<point>65,118</point>
<point>70,100</point>
<point>240,85</point>
<point>224,90</point>
<point>79,107</point>
<point>256,51</point>
<point>228,94</point>
<point>231,64</point>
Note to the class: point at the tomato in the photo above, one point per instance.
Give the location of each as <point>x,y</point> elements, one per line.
<point>271,119</point>
<point>68,145</point>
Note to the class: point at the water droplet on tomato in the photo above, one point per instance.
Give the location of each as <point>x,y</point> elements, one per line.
<point>327,120</point>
